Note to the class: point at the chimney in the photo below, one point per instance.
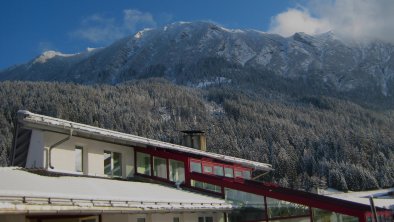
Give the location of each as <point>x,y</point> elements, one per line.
<point>194,139</point>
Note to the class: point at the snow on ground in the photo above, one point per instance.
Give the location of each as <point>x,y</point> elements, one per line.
<point>17,182</point>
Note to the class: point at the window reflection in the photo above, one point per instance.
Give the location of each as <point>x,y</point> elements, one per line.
<point>320,215</point>
<point>143,163</point>
<point>177,171</point>
<point>206,186</point>
<point>112,163</point>
<point>251,206</point>
<point>280,208</point>
<point>195,166</point>
<point>160,167</point>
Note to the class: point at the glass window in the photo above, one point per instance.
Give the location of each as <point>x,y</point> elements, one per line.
<point>250,207</point>
<point>320,215</point>
<point>112,163</point>
<point>177,171</point>
<point>228,172</point>
<point>176,219</point>
<point>244,198</point>
<point>195,166</point>
<point>246,174</point>
<point>160,167</point>
<point>208,169</point>
<point>205,219</point>
<point>212,187</point>
<point>280,208</point>
<point>78,159</point>
<point>197,184</point>
<point>107,163</point>
<point>143,163</point>
<point>117,164</point>
<point>218,170</point>
<point>238,173</point>
<point>140,219</point>
<point>206,186</point>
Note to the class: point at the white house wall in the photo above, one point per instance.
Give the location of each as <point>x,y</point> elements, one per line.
<point>35,157</point>
<point>193,217</point>
<point>63,155</point>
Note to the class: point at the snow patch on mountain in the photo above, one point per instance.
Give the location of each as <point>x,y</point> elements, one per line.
<point>89,49</point>
<point>216,81</point>
<point>49,55</point>
<point>265,55</point>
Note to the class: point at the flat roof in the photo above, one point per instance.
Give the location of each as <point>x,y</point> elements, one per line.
<point>84,193</point>
<point>32,120</point>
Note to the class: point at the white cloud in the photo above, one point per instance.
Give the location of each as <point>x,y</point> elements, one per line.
<point>296,20</point>
<point>350,19</point>
<point>101,29</point>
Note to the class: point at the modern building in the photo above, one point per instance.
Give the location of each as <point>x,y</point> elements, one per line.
<point>75,172</point>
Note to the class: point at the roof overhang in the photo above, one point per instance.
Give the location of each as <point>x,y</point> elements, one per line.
<point>35,121</point>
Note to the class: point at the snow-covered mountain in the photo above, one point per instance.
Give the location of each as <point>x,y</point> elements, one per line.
<point>198,52</point>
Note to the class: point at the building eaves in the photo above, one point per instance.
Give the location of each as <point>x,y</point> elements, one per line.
<point>32,120</point>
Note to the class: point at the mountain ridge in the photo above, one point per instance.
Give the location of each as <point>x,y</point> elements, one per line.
<point>189,53</point>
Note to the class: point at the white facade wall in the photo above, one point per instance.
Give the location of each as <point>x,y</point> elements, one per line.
<point>163,217</point>
<point>63,155</point>
<point>35,156</point>
<point>193,217</point>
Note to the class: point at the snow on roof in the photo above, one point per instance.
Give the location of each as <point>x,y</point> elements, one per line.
<point>27,117</point>
<point>382,198</point>
<point>96,192</point>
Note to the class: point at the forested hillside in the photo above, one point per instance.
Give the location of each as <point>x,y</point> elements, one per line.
<point>308,140</point>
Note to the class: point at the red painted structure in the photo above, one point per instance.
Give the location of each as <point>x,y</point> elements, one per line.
<point>361,211</point>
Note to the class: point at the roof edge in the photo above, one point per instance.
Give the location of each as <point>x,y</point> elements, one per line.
<point>25,116</point>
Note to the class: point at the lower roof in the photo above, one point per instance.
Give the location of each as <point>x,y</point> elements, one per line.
<point>25,191</point>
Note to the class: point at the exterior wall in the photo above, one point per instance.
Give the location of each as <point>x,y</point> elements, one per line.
<point>134,217</point>
<point>162,217</point>
<point>158,217</point>
<point>63,155</point>
<point>35,157</point>
<point>12,218</point>
<point>193,217</point>
<point>115,217</point>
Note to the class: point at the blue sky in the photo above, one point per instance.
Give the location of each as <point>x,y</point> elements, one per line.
<point>31,27</point>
